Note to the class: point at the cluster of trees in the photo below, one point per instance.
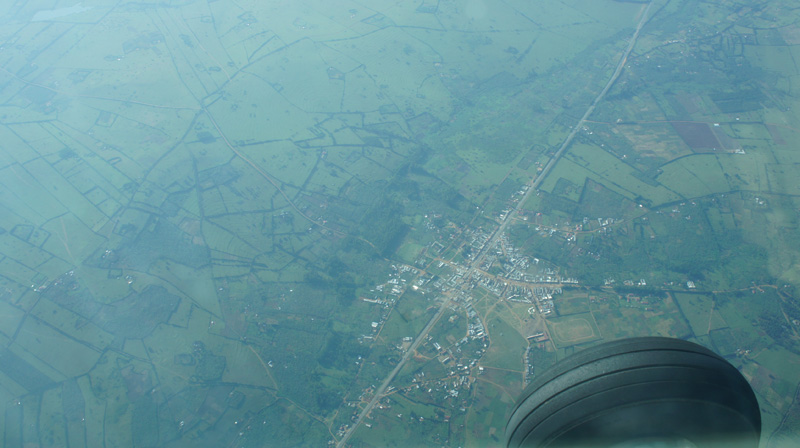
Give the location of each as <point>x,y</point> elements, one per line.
<point>294,354</point>
<point>383,226</point>
<point>341,351</point>
<point>336,279</point>
<point>342,286</point>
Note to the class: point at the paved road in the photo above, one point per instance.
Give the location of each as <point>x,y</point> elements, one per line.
<point>380,390</point>
<point>534,184</point>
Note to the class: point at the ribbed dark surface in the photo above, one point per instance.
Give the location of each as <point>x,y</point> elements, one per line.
<point>637,388</point>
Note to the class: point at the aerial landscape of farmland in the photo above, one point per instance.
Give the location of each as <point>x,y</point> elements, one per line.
<point>367,224</point>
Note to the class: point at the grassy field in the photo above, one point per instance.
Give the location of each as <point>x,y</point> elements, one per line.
<point>573,330</point>
<point>617,175</point>
<point>569,304</point>
<point>507,346</point>
<point>486,419</point>
<point>699,312</point>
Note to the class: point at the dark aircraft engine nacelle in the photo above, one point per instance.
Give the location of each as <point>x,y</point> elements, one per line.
<point>639,392</point>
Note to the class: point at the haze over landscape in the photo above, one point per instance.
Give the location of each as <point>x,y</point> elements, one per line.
<point>343,223</point>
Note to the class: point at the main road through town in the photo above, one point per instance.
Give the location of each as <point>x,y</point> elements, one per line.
<point>533,185</point>
<point>380,390</point>
<point>535,182</point>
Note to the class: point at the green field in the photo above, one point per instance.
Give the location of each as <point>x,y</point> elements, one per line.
<point>573,330</point>
<point>700,312</point>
